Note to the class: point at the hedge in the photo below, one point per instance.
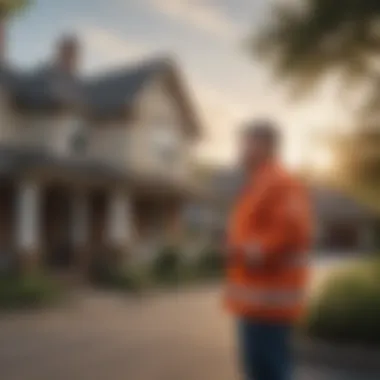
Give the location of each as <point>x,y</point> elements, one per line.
<point>347,310</point>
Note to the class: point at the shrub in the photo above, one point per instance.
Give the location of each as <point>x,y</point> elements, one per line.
<point>210,264</point>
<point>107,275</point>
<point>348,307</point>
<point>166,267</point>
<point>28,291</point>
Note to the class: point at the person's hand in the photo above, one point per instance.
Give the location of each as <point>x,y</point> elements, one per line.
<point>252,253</point>
<point>229,251</point>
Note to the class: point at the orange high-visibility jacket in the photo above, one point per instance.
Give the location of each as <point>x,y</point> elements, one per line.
<point>272,217</point>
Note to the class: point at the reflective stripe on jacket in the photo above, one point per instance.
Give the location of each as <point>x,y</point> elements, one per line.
<point>272,214</point>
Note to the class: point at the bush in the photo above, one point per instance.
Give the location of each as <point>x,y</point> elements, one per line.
<point>110,274</point>
<point>167,266</point>
<point>106,276</point>
<point>348,307</point>
<point>170,267</point>
<point>210,264</point>
<point>27,292</point>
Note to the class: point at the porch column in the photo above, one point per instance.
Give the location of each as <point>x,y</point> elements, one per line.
<point>119,223</point>
<point>28,220</point>
<point>80,229</point>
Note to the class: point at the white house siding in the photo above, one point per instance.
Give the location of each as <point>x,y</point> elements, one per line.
<point>51,132</point>
<point>138,146</point>
<point>109,142</point>
<point>64,129</point>
<point>35,130</point>
<point>159,123</point>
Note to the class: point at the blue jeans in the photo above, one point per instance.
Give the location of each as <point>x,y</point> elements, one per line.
<point>265,350</point>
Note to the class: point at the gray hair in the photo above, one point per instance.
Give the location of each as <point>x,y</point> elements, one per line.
<point>263,130</point>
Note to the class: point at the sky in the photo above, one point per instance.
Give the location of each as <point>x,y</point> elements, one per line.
<point>227,84</point>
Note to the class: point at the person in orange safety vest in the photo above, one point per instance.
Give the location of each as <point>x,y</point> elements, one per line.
<point>268,238</point>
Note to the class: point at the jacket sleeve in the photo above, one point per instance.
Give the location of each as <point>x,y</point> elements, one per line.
<point>290,224</point>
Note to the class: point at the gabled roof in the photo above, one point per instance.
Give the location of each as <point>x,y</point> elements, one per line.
<point>15,160</point>
<point>114,91</point>
<point>117,89</point>
<point>102,96</point>
<point>48,86</point>
<point>8,77</point>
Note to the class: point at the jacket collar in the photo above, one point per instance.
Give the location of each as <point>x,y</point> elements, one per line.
<point>264,168</point>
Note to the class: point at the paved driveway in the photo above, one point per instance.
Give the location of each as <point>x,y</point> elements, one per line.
<point>181,336</point>
<point>170,337</point>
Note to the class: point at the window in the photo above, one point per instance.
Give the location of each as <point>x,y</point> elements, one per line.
<point>79,140</point>
<point>166,145</point>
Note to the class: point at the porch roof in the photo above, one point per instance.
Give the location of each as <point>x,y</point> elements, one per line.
<point>18,161</point>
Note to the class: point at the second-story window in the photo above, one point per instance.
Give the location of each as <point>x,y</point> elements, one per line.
<point>166,145</point>
<point>79,139</point>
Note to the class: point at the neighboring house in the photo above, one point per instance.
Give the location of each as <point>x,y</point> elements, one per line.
<point>206,218</point>
<point>342,223</point>
<point>92,166</point>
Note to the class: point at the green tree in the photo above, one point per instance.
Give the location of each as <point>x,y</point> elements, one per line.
<point>309,41</point>
<point>358,157</point>
<point>9,8</point>
<point>305,40</point>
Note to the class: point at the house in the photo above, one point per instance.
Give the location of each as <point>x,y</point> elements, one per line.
<point>206,217</point>
<point>92,166</point>
<point>341,222</point>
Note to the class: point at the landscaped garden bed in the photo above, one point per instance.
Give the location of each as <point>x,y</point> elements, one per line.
<point>169,269</point>
<point>27,292</point>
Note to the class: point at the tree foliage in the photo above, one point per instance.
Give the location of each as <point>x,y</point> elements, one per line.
<point>359,156</point>
<point>12,6</point>
<point>310,38</point>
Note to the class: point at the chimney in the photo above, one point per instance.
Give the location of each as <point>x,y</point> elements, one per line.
<point>68,54</point>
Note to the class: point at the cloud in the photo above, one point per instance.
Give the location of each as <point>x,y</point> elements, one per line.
<point>200,14</point>
<point>104,48</point>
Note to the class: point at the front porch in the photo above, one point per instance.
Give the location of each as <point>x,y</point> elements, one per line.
<point>56,227</point>
<point>61,227</point>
